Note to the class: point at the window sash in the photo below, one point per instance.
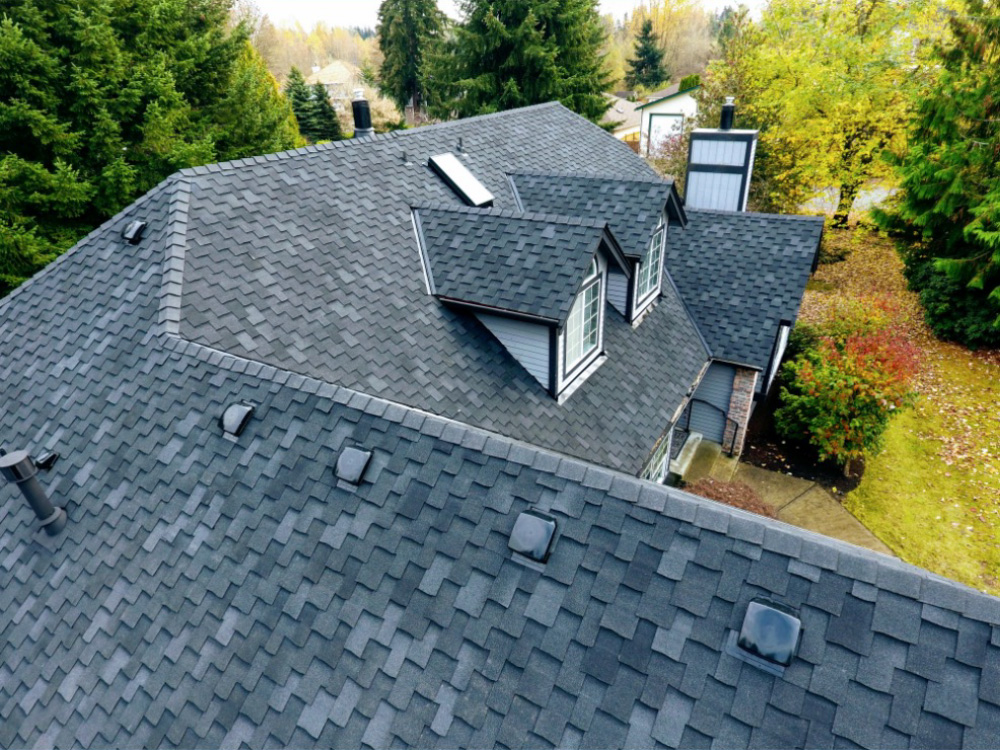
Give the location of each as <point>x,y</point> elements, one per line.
<point>649,271</point>
<point>584,324</point>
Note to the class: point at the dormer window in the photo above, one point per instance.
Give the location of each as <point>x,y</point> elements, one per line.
<point>583,329</point>
<point>648,278</point>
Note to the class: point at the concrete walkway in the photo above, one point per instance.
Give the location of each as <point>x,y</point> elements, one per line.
<point>798,502</point>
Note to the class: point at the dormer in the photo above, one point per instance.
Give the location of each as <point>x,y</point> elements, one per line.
<point>638,212</point>
<point>538,283</point>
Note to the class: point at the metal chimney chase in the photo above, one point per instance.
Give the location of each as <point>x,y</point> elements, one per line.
<point>18,467</point>
<point>362,115</point>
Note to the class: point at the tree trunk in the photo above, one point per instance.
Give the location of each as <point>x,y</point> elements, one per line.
<point>847,469</point>
<point>848,192</point>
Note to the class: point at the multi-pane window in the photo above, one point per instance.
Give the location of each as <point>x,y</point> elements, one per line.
<point>649,271</point>
<point>584,324</point>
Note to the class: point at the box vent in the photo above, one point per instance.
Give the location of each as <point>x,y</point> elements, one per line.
<point>532,536</point>
<point>133,232</point>
<point>351,464</point>
<point>769,637</point>
<point>461,180</point>
<point>235,418</point>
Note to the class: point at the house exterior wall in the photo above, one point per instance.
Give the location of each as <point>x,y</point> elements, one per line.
<point>666,117</point>
<point>716,388</point>
<point>528,343</point>
<point>740,407</point>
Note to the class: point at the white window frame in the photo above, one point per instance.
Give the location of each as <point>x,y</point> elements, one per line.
<point>646,275</point>
<point>589,296</point>
<point>659,465</point>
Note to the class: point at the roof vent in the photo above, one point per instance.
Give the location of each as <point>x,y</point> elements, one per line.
<point>133,232</point>
<point>351,464</point>
<point>532,535</point>
<point>235,418</point>
<point>769,637</point>
<point>21,469</point>
<point>461,180</point>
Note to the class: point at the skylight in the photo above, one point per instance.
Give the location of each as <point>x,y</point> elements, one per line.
<point>461,180</point>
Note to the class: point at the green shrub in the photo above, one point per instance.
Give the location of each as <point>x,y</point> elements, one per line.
<point>952,310</point>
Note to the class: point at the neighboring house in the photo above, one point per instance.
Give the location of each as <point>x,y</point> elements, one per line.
<point>665,114</point>
<point>340,79</point>
<point>623,115</point>
<point>326,485</point>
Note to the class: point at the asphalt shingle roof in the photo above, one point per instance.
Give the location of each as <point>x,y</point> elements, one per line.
<point>740,275</point>
<point>322,277</point>
<point>632,207</point>
<point>525,263</point>
<point>214,593</point>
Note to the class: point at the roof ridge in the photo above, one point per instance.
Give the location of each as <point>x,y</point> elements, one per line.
<point>507,213</point>
<point>318,148</point>
<point>757,214</point>
<point>591,175</point>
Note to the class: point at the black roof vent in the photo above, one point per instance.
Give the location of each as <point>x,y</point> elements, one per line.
<point>769,637</point>
<point>133,232</point>
<point>532,535</point>
<point>461,180</point>
<point>235,418</point>
<point>351,464</point>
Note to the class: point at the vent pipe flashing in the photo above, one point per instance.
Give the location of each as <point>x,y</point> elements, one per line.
<point>362,115</point>
<point>728,114</point>
<point>18,467</point>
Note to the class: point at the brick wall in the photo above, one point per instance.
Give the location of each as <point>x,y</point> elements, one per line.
<point>740,405</point>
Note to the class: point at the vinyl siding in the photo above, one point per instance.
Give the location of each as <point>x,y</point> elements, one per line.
<point>618,290</point>
<point>716,388</point>
<point>528,343</point>
<point>728,153</point>
<point>714,191</point>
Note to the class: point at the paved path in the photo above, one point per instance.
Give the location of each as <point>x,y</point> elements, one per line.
<point>798,502</point>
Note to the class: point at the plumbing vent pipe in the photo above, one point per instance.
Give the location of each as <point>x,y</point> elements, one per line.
<point>18,467</point>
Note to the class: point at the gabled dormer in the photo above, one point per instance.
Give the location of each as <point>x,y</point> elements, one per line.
<point>539,283</point>
<point>638,213</point>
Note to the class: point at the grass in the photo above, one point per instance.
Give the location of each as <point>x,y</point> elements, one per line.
<point>933,493</point>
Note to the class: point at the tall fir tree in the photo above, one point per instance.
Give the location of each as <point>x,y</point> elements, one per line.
<point>297,91</point>
<point>326,124</point>
<point>646,69</point>
<point>949,209</point>
<point>102,99</point>
<point>510,53</point>
<point>407,29</point>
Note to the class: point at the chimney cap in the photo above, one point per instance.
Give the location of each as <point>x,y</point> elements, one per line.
<point>359,95</point>
<point>730,100</point>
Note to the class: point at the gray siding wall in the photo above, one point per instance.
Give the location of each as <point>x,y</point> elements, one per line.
<point>716,388</point>
<point>528,343</point>
<point>711,190</point>
<point>618,290</point>
<point>729,153</point>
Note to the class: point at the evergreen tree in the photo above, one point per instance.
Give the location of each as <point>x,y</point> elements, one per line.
<point>99,101</point>
<point>297,91</point>
<point>406,29</point>
<point>509,53</point>
<point>325,123</point>
<point>950,178</point>
<point>646,69</point>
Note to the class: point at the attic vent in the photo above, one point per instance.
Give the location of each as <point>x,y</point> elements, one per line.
<point>235,418</point>
<point>461,180</point>
<point>351,464</point>
<point>769,637</point>
<point>532,535</point>
<point>133,232</point>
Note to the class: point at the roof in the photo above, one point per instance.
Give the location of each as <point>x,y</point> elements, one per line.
<point>522,263</point>
<point>622,113</point>
<point>336,73</point>
<point>668,93</point>
<point>631,207</point>
<point>759,263</point>
<point>211,593</point>
<point>323,277</point>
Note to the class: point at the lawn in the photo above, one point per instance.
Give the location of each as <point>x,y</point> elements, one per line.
<point>933,493</point>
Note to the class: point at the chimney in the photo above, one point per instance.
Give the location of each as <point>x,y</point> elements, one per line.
<point>728,112</point>
<point>20,468</point>
<point>362,115</point>
<point>720,164</point>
